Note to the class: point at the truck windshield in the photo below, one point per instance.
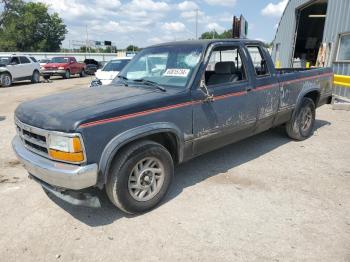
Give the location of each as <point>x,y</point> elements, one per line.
<point>171,65</point>
<point>115,65</point>
<point>4,60</point>
<point>59,60</point>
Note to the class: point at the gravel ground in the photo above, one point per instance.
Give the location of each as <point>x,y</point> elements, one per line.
<point>263,199</point>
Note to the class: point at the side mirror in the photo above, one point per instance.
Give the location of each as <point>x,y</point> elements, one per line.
<point>13,63</point>
<point>204,89</point>
<point>98,70</point>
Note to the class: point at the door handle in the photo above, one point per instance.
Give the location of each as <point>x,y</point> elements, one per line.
<point>249,89</point>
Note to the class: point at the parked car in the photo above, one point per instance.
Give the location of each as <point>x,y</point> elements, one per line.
<point>15,68</point>
<point>63,66</point>
<point>43,62</point>
<point>110,70</point>
<point>166,107</point>
<point>92,66</point>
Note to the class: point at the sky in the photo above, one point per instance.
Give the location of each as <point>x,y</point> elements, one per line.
<point>147,22</point>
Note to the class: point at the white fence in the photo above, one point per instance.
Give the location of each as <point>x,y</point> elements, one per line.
<point>78,56</point>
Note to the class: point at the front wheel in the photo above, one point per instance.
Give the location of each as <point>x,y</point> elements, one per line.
<point>66,74</point>
<point>301,126</point>
<point>5,80</point>
<point>140,177</point>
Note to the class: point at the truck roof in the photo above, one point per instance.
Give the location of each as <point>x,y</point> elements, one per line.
<point>207,42</point>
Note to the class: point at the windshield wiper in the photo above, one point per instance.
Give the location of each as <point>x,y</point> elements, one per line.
<point>150,83</point>
<point>124,80</point>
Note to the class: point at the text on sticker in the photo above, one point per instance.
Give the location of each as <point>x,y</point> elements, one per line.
<point>177,72</point>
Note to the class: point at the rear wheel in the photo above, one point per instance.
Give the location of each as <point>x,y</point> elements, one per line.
<point>140,177</point>
<point>5,80</point>
<point>66,74</point>
<point>82,73</point>
<point>35,77</point>
<point>46,77</point>
<point>301,126</point>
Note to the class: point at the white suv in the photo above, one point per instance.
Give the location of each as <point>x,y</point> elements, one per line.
<point>18,68</point>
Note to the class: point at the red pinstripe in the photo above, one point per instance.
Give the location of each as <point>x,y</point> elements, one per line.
<point>156,110</point>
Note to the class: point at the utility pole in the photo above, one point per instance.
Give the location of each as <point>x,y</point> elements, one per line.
<point>197,23</point>
<point>87,42</point>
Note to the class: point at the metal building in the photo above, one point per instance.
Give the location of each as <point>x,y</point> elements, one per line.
<point>316,33</point>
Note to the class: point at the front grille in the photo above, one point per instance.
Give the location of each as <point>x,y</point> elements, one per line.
<point>33,138</point>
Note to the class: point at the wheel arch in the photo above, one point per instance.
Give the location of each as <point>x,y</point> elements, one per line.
<point>7,72</point>
<point>314,94</point>
<point>166,134</point>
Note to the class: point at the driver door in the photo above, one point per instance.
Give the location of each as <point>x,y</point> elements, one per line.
<point>232,113</point>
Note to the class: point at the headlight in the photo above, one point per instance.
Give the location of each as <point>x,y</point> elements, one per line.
<point>66,148</point>
<point>61,68</point>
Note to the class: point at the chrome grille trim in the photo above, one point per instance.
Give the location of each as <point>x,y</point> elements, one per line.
<point>35,131</point>
<point>20,126</point>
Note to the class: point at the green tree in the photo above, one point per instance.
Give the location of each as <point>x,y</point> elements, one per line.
<point>132,48</point>
<point>29,27</point>
<point>215,35</point>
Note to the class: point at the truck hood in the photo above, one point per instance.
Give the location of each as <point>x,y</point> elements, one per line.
<point>56,64</point>
<point>66,111</point>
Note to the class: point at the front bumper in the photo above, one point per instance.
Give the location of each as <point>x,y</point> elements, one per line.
<point>53,72</point>
<point>54,173</point>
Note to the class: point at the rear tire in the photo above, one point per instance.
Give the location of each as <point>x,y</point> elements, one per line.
<point>46,77</point>
<point>66,74</point>
<point>82,73</point>
<point>301,126</point>
<point>140,177</point>
<point>5,80</point>
<point>35,77</point>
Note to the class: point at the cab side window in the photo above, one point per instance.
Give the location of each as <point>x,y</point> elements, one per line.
<point>24,60</point>
<point>225,66</point>
<point>259,61</point>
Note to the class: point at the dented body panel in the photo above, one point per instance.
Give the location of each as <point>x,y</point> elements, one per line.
<point>110,117</point>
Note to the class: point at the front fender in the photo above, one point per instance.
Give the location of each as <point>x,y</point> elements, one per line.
<point>128,136</point>
<point>4,69</point>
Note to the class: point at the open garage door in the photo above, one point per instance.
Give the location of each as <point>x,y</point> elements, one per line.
<point>309,32</point>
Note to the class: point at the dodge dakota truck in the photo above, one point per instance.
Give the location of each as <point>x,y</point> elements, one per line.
<point>63,66</point>
<point>171,103</point>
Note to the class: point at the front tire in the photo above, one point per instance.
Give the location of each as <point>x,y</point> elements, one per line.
<point>35,77</point>
<point>140,177</point>
<point>5,80</point>
<point>301,126</point>
<point>66,74</point>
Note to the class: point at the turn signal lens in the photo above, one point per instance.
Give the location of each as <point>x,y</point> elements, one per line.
<point>64,156</point>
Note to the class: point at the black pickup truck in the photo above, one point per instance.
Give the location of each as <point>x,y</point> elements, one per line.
<point>171,103</point>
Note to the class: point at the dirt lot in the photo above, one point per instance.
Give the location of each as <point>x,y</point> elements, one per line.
<point>264,199</point>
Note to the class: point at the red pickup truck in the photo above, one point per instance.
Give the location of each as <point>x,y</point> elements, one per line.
<point>63,66</point>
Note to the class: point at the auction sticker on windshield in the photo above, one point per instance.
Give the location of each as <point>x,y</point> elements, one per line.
<point>177,72</point>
